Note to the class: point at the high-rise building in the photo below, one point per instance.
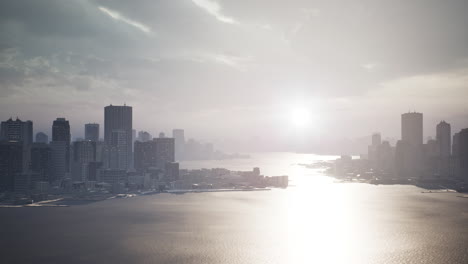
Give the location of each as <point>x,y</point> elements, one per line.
<point>11,164</point>
<point>116,151</point>
<point>61,133</point>
<point>165,151</point>
<point>455,144</point>
<point>144,136</point>
<point>179,137</point>
<point>412,128</point>
<point>119,118</point>
<point>463,154</point>
<point>145,155</point>
<point>84,152</point>
<point>376,139</point>
<point>42,138</point>
<point>92,132</point>
<point>17,130</point>
<point>60,163</point>
<point>41,161</point>
<point>444,139</point>
<point>171,171</point>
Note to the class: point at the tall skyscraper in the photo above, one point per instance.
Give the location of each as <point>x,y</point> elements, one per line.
<point>179,138</point>
<point>376,139</point>
<point>463,154</point>
<point>119,118</point>
<point>165,151</point>
<point>84,152</point>
<point>60,163</point>
<point>42,138</point>
<point>92,132</point>
<point>11,164</point>
<point>17,130</point>
<point>116,151</point>
<point>145,155</point>
<point>412,128</point>
<point>41,161</point>
<point>61,133</point>
<point>444,139</point>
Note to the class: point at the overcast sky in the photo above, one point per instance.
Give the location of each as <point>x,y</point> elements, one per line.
<point>233,71</point>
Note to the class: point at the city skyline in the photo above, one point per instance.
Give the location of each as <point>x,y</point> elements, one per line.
<point>255,71</point>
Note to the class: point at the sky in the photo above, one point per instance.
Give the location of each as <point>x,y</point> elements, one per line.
<point>257,74</point>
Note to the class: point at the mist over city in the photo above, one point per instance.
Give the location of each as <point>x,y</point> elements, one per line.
<point>222,131</point>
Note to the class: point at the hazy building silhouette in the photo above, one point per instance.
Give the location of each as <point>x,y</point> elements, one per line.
<point>119,118</point>
<point>60,163</point>
<point>61,133</point>
<point>144,136</point>
<point>11,164</point>
<point>42,138</point>
<point>179,139</point>
<point>116,153</point>
<point>412,128</point>
<point>444,139</point>
<point>463,154</point>
<point>376,139</point>
<point>17,130</point>
<point>92,132</point>
<point>84,152</point>
<point>165,151</point>
<point>41,161</point>
<point>145,155</point>
<point>171,171</point>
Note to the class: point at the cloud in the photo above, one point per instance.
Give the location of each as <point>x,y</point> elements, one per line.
<point>117,16</point>
<point>214,9</point>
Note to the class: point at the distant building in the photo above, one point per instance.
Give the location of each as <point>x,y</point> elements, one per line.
<point>165,151</point>
<point>119,118</point>
<point>179,139</point>
<point>60,163</point>
<point>145,155</point>
<point>11,164</point>
<point>376,139</point>
<point>144,136</point>
<point>463,155</point>
<point>84,152</point>
<point>41,161</point>
<point>412,128</point>
<point>17,130</point>
<point>115,154</point>
<point>112,176</point>
<point>92,132</point>
<point>444,139</point>
<point>42,138</point>
<point>61,133</point>
<point>171,171</point>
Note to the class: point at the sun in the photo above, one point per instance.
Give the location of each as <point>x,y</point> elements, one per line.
<point>300,116</point>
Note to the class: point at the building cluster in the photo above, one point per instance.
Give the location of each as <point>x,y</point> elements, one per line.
<point>443,159</point>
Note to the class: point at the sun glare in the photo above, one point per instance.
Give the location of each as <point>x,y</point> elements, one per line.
<point>300,117</point>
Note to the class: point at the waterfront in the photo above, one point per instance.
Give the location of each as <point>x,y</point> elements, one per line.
<point>315,221</point>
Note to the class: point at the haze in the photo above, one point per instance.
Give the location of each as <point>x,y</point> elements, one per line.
<point>261,74</point>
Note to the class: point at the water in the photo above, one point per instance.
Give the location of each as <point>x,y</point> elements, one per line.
<point>317,221</point>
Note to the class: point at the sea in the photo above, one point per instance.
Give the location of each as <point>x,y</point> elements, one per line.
<point>315,220</point>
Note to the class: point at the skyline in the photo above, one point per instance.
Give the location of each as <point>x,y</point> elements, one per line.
<point>253,64</point>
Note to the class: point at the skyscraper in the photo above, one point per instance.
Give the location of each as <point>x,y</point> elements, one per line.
<point>145,155</point>
<point>11,164</point>
<point>84,152</point>
<point>179,137</point>
<point>17,130</point>
<point>61,133</point>
<point>412,128</point>
<point>42,138</point>
<point>463,154</point>
<point>92,132</point>
<point>119,118</point>
<point>444,139</point>
<point>41,161</point>
<point>116,151</point>
<point>165,151</point>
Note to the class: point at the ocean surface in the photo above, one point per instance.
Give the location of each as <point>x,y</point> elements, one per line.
<point>316,220</point>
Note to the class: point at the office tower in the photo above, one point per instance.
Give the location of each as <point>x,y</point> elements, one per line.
<point>92,132</point>
<point>179,138</point>
<point>455,143</point>
<point>11,164</point>
<point>17,130</point>
<point>162,135</point>
<point>412,128</point>
<point>165,151</point>
<point>60,163</point>
<point>463,155</point>
<point>42,138</point>
<point>145,155</point>
<point>41,161</point>
<point>171,171</point>
<point>119,118</point>
<point>144,136</point>
<point>116,151</point>
<point>84,152</point>
<point>444,137</point>
<point>61,133</point>
<point>376,139</point>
